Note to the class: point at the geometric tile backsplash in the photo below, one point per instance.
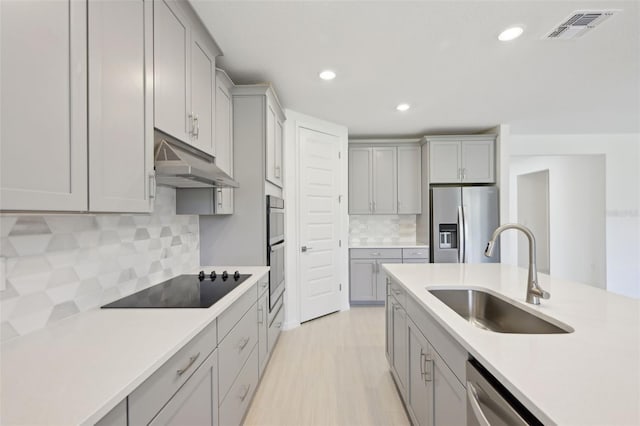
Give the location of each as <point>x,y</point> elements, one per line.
<point>60,265</point>
<point>382,228</point>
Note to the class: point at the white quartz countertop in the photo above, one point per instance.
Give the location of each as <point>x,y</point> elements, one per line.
<point>388,245</point>
<point>588,377</point>
<point>76,371</point>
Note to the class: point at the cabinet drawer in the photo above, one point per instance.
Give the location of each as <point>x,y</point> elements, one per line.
<point>150,396</point>
<point>397,291</point>
<point>274,329</point>
<point>263,285</point>
<point>415,261</point>
<point>441,341</point>
<point>236,348</point>
<point>376,253</point>
<point>234,406</point>
<point>232,315</point>
<point>415,253</point>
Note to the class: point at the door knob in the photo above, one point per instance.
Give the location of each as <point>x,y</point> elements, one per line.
<point>304,249</point>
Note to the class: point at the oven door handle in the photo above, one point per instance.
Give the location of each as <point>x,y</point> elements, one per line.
<point>277,247</point>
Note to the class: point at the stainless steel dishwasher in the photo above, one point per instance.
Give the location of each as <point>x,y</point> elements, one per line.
<point>489,403</point>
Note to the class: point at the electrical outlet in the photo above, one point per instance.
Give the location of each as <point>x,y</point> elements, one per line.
<point>3,269</point>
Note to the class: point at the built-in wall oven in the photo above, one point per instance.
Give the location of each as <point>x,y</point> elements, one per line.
<point>275,248</point>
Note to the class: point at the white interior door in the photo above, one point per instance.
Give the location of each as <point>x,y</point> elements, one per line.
<point>319,224</point>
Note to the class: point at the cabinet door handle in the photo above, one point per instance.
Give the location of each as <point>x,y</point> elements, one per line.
<point>196,126</point>
<point>260,311</point>
<point>277,171</point>
<point>189,364</point>
<point>220,198</point>
<point>396,292</point>
<point>152,185</point>
<point>428,372</point>
<point>192,128</point>
<point>374,206</point>
<point>244,393</point>
<point>421,364</point>
<point>243,343</point>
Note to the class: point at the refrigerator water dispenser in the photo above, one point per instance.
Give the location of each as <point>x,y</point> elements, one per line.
<point>448,236</point>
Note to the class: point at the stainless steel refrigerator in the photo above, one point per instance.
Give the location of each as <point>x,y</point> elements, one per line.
<point>462,221</point>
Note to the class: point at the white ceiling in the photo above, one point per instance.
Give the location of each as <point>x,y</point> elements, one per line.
<point>442,57</point>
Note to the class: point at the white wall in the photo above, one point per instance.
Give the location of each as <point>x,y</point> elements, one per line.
<point>576,213</point>
<point>622,196</point>
<point>533,212</point>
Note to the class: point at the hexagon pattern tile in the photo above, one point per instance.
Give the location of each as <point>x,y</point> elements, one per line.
<point>60,265</point>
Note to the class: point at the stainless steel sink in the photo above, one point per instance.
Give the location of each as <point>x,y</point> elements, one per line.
<point>489,312</point>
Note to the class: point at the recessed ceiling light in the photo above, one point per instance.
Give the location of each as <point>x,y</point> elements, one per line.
<point>510,34</point>
<point>327,75</point>
<point>403,107</point>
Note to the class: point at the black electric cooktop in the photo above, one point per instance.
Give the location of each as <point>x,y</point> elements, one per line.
<point>183,291</point>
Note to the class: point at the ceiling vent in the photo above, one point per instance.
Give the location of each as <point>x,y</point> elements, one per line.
<point>579,23</point>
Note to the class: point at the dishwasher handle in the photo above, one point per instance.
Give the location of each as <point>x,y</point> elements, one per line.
<point>472,397</point>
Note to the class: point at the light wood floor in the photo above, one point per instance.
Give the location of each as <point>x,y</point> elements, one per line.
<point>330,371</point>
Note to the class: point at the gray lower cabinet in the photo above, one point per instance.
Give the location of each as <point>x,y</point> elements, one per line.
<point>275,327</point>
<point>116,417</point>
<point>212,379</point>
<point>196,401</point>
<point>420,377</point>
<point>399,343</point>
<point>263,329</point>
<point>366,277</point>
<point>235,404</point>
<point>432,388</point>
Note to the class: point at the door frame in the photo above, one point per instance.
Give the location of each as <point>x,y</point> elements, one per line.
<point>291,150</point>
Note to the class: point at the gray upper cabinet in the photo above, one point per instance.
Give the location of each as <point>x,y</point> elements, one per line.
<point>203,77</point>
<point>90,85</point>
<point>461,159</point>
<point>384,179</point>
<point>274,140</point>
<point>373,180</point>
<point>184,75</point>
<point>224,139</point>
<point>360,168</point>
<point>171,60</point>
<point>43,121</point>
<point>409,175</point>
<point>269,120</point>
<point>120,91</point>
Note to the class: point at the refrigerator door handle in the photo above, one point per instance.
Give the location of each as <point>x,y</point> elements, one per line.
<point>465,236</point>
<point>461,237</point>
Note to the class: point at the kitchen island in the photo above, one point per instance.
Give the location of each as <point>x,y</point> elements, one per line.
<point>589,376</point>
<point>78,370</point>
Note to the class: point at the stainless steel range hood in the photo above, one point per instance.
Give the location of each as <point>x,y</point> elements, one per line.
<point>181,166</point>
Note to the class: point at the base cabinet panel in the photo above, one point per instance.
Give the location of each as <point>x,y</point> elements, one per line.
<point>235,404</point>
<point>432,393</point>
<point>196,401</point>
<point>420,378</point>
<point>449,395</point>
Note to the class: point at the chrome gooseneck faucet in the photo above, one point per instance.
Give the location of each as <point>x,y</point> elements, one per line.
<point>534,292</point>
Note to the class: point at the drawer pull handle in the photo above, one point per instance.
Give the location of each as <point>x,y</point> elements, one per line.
<point>244,393</point>
<point>243,343</point>
<point>375,253</point>
<point>191,361</point>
